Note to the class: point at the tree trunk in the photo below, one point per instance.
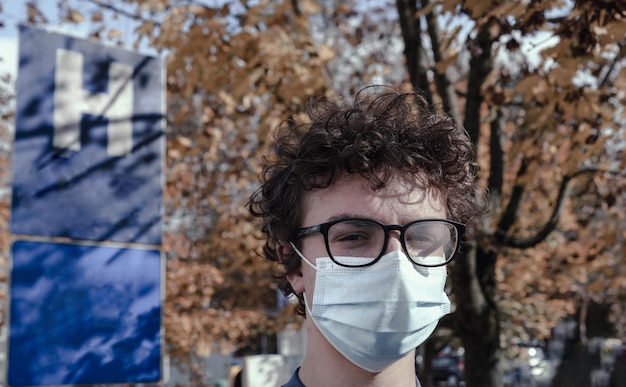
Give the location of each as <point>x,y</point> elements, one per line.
<point>582,320</point>
<point>479,318</point>
<point>473,273</point>
<point>412,33</point>
<point>478,321</point>
<point>426,373</point>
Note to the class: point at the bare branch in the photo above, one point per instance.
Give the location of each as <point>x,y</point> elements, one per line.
<point>445,88</point>
<point>481,65</point>
<point>121,12</point>
<point>564,193</point>
<point>411,33</point>
<point>496,175</point>
<point>508,216</point>
<point>619,57</point>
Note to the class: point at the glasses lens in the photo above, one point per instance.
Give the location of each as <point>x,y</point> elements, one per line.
<point>355,242</point>
<point>431,243</point>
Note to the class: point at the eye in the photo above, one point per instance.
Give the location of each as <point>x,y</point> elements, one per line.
<point>421,238</point>
<point>355,238</point>
<point>427,239</point>
<point>351,231</point>
<point>352,237</point>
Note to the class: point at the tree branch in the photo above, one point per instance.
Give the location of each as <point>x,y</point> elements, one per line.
<point>137,16</point>
<point>524,243</point>
<point>496,175</point>
<point>508,216</point>
<point>446,90</point>
<point>619,57</point>
<point>119,11</point>
<point>480,67</point>
<point>410,26</point>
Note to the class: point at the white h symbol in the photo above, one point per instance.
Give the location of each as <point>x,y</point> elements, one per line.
<point>71,100</point>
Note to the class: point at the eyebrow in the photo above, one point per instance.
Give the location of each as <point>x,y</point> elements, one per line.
<point>346,215</point>
<point>349,216</point>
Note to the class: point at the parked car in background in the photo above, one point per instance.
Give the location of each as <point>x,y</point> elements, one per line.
<point>448,367</point>
<point>530,368</point>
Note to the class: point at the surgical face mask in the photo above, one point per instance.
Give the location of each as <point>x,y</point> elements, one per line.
<point>376,315</point>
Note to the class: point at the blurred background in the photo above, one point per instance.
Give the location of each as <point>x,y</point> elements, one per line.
<point>539,290</point>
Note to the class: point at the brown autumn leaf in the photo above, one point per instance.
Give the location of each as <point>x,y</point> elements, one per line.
<point>75,16</point>
<point>114,34</point>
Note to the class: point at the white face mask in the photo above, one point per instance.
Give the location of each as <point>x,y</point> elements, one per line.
<point>376,315</point>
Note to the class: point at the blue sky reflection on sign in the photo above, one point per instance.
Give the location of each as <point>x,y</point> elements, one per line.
<point>89,144</point>
<point>84,315</point>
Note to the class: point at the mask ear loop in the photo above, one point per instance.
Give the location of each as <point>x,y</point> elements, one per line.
<point>305,259</point>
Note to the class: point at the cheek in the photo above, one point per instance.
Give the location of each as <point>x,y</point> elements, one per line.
<point>308,279</point>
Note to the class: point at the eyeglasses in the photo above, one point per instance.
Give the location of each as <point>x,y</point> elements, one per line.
<point>359,242</point>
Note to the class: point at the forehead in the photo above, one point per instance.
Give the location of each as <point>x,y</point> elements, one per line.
<point>399,202</point>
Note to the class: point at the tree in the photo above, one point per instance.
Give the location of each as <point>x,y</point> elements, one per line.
<point>542,131</point>
<point>231,80</point>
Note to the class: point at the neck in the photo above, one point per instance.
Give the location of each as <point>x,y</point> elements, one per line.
<point>324,366</point>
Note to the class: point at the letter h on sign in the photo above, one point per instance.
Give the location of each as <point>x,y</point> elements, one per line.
<point>89,143</point>
<point>116,105</point>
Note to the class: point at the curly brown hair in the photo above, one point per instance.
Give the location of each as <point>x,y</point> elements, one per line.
<point>383,133</point>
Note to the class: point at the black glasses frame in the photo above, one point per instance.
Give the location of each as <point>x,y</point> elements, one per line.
<point>322,228</point>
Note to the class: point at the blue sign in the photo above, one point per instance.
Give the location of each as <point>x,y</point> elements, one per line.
<point>88,153</point>
<point>84,314</point>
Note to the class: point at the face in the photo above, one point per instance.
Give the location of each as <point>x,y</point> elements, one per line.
<point>351,197</point>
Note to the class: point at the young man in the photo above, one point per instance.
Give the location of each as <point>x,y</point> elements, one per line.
<point>363,207</point>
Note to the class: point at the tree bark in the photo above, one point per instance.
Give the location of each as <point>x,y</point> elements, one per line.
<point>479,317</point>
<point>582,320</point>
<point>427,370</point>
<point>411,32</point>
<point>445,88</point>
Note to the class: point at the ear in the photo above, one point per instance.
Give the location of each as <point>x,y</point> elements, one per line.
<point>285,253</point>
